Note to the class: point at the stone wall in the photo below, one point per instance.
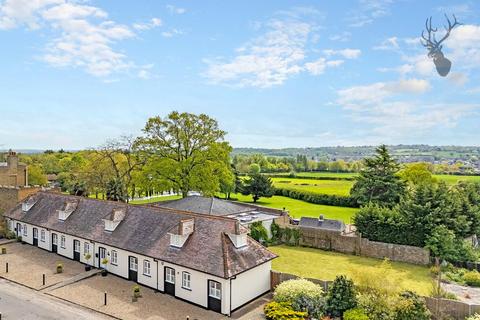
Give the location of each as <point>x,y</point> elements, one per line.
<point>354,244</point>
<point>12,172</point>
<point>441,309</point>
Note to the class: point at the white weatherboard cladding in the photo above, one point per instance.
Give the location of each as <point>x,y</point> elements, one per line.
<point>245,287</point>
<point>250,284</point>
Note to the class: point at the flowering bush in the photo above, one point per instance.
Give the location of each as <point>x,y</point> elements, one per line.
<point>303,295</point>
<point>355,314</point>
<point>282,311</point>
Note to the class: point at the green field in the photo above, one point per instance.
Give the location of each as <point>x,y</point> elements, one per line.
<point>342,187</point>
<point>325,265</point>
<point>331,187</point>
<point>155,199</point>
<point>298,208</point>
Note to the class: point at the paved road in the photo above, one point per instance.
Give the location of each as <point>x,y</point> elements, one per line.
<point>18,302</point>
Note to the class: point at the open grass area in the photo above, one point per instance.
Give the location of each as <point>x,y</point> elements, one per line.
<point>298,208</point>
<point>451,179</point>
<point>155,199</point>
<point>332,187</point>
<point>327,174</point>
<point>325,265</point>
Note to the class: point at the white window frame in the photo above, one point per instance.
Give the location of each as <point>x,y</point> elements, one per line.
<point>62,242</point>
<point>215,289</point>
<point>77,242</point>
<point>25,230</point>
<point>86,248</point>
<point>170,275</point>
<point>114,256</point>
<point>42,235</point>
<point>186,280</point>
<point>133,263</point>
<point>146,268</point>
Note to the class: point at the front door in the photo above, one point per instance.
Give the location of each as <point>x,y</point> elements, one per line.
<point>54,242</point>
<point>214,296</point>
<point>132,268</point>
<point>169,283</point>
<point>35,236</point>
<point>19,230</point>
<point>76,250</point>
<point>102,254</point>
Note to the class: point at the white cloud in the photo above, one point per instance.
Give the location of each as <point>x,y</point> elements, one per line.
<point>85,36</point>
<point>171,33</point>
<point>393,114</point>
<point>368,11</point>
<point>268,60</point>
<point>279,53</point>
<point>175,10</point>
<point>153,23</point>
<point>318,67</point>
<point>346,53</point>
<point>342,37</point>
<point>388,44</point>
<point>18,12</point>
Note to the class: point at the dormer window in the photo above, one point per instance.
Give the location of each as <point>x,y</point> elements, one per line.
<point>185,228</point>
<point>68,209</point>
<point>27,205</point>
<point>239,237</point>
<point>113,219</point>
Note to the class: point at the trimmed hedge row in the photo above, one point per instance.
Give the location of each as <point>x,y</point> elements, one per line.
<point>325,199</point>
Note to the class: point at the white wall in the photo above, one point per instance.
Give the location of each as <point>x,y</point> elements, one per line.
<point>250,284</point>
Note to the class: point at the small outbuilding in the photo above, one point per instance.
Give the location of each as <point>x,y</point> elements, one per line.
<point>322,224</point>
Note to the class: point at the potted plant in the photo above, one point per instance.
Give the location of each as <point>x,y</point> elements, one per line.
<point>59,268</point>
<point>19,238</point>
<point>87,257</point>
<point>4,250</point>
<point>104,263</point>
<point>136,293</point>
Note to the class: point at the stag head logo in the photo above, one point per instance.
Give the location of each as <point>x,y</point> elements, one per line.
<point>435,46</point>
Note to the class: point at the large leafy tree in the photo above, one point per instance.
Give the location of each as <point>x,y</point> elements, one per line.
<point>378,182</point>
<point>258,186</point>
<point>186,152</point>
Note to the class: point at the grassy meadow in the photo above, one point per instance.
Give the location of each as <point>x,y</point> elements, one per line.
<point>331,187</point>
<point>298,208</point>
<point>325,265</point>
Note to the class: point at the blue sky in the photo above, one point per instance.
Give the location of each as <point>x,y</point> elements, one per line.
<point>273,73</point>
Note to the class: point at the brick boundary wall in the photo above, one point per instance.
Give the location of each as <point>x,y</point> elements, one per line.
<point>355,244</point>
<point>440,308</point>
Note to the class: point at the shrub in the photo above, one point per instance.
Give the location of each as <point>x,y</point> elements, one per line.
<point>59,268</point>
<point>303,295</point>
<point>472,278</point>
<point>104,261</point>
<point>411,306</point>
<point>377,307</point>
<point>355,314</point>
<point>325,199</point>
<point>474,317</point>
<point>282,311</point>
<point>258,231</point>
<point>87,256</point>
<point>4,250</point>
<point>439,292</point>
<point>341,296</point>
<point>276,232</point>
<point>19,238</point>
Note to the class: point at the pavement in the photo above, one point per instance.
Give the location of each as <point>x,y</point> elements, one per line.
<point>21,303</point>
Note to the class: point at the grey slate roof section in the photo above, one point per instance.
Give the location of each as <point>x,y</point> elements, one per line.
<point>325,224</point>
<point>211,206</point>
<point>144,230</point>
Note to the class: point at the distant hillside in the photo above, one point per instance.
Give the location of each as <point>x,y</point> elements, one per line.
<point>405,153</point>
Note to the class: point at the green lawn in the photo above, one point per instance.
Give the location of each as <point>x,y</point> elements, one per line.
<point>325,265</point>
<point>298,208</point>
<point>327,174</point>
<point>155,199</point>
<point>451,179</point>
<point>332,187</point>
